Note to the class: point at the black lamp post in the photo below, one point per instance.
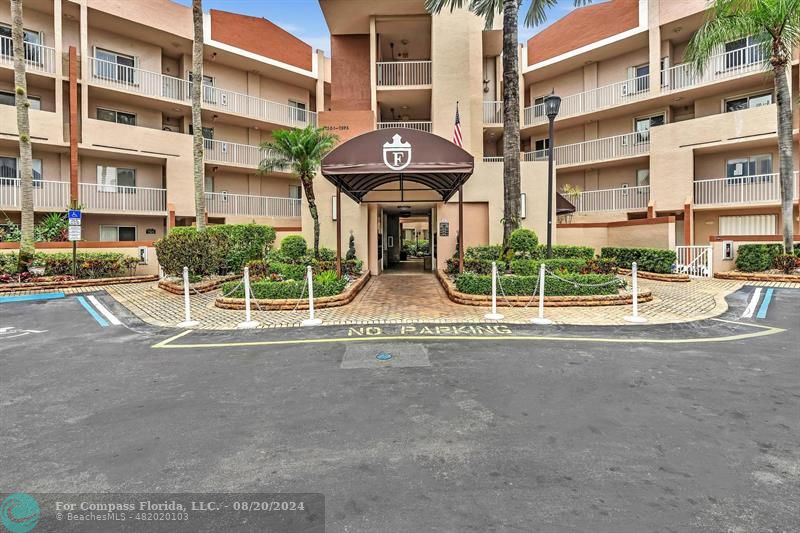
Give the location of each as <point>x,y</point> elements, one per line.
<point>552,103</point>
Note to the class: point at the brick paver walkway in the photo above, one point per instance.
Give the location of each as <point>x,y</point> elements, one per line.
<point>405,297</point>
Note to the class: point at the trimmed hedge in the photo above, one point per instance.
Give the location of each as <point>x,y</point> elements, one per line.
<point>530,267</point>
<point>202,252</point>
<point>526,285</point>
<point>647,259</point>
<point>294,247</point>
<point>476,266</point>
<point>757,257</point>
<point>523,242</point>
<point>281,290</point>
<point>489,253</point>
<point>492,252</point>
<point>245,242</point>
<point>570,252</point>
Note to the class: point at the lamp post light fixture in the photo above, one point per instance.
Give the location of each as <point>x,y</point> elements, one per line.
<point>552,104</point>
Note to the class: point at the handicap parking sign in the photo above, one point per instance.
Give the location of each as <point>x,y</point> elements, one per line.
<point>74,217</point>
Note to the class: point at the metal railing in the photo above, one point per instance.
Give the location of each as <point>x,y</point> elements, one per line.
<point>46,194</point>
<point>420,125</point>
<point>720,66</point>
<point>223,203</point>
<point>403,73</point>
<point>139,81</point>
<point>234,153</point>
<point>122,198</point>
<point>493,159</point>
<point>619,199</point>
<point>761,188</point>
<point>38,58</point>
<point>493,112</point>
<point>258,108</point>
<point>627,145</point>
<point>694,260</point>
<point>618,93</point>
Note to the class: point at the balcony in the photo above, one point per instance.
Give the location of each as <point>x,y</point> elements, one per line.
<point>95,198</point>
<point>616,94</point>
<point>720,67</point>
<point>419,125</point>
<point>153,84</point>
<point>38,58</point>
<point>744,190</point>
<point>394,74</point>
<point>222,203</point>
<point>620,199</point>
<point>597,150</point>
<point>493,112</point>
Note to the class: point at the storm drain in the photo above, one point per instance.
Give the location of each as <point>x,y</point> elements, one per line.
<point>358,355</point>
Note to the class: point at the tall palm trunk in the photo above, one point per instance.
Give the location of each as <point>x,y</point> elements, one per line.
<point>308,189</point>
<point>197,119</point>
<point>26,244</point>
<point>511,145</point>
<point>784,101</point>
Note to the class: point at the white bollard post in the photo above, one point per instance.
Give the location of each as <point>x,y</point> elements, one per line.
<point>635,318</point>
<point>248,322</point>
<point>187,308</point>
<point>311,321</point>
<point>541,320</point>
<point>494,315</point>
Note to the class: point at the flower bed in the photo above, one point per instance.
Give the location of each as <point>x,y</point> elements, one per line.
<point>66,282</point>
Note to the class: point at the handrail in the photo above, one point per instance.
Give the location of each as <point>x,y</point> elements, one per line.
<point>421,125</point>
<point>617,199</point>
<point>719,66</point>
<point>493,112</point>
<point>626,145</point>
<point>38,58</point>
<point>224,203</point>
<point>403,73</point>
<point>760,188</point>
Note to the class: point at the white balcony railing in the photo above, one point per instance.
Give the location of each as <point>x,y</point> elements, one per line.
<point>420,125</point>
<point>46,194</point>
<point>741,190</point>
<point>403,73</point>
<point>139,81</point>
<point>233,153</point>
<point>222,203</point>
<point>38,58</point>
<point>620,199</point>
<point>122,199</point>
<point>493,159</point>
<point>622,92</point>
<point>258,108</point>
<point>492,112</point>
<point>719,67</point>
<point>627,145</point>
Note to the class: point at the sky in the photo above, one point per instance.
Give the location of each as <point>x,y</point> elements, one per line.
<point>304,19</point>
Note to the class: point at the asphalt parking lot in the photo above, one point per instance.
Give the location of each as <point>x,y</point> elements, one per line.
<point>690,427</point>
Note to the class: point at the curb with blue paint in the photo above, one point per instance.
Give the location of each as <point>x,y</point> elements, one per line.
<point>100,320</point>
<point>762,311</point>
<point>31,297</point>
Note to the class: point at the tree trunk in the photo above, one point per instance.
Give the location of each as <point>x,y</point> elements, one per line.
<point>197,120</point>
<point>784,101</point>
<point>308,189</point>
<point>511,144</point>
<point>26,244</point>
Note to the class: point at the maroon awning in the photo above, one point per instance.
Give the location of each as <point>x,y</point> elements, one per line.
<point>563,206</point>
<point>368,161</point>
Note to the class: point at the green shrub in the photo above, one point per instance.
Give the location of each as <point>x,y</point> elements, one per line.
<point>571,252</point>
<point>489,252</point>
<point>757,257</point>
<point>530,267</point>
<point>244,242</point>
<point>8,263</point>
<point>786,263</point>
<point>294,247</point>
<point>91,265</point>
<point>351,249</point>
<point>476,266</point>
<point>526,285</point>
<point>647,259</point>
<point>325,254</point>
<point>329,276</point>
<point>286,289</point>
<point>601,266</point>
<point>523,242</point>
<point>288,270</point>
<point>202,252</point>
<point>351,267</point>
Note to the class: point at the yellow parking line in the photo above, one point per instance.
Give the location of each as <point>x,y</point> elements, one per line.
<point>168,343</point>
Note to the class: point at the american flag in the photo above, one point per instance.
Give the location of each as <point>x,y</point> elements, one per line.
<point>457,139</point>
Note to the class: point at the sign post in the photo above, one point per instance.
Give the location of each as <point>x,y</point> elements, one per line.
<point>74,217</point>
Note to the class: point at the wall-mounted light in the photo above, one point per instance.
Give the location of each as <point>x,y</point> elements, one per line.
<point>523,205</point>
<point>334,208</point>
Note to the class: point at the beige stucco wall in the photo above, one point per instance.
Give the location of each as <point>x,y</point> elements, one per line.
<point>52,163</point>
<point>92,222</point>
<point>476,228</point>
<point>147,174</point>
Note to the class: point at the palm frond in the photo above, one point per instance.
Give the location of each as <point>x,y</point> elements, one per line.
<point>300,150</point>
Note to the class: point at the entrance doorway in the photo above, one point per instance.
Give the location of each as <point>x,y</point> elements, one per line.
<point>406,239</point>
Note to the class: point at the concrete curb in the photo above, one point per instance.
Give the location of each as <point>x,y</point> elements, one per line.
<point>75,283</point>
<point>750,276</point>
<point>670,278</point>
<point>201,287</point>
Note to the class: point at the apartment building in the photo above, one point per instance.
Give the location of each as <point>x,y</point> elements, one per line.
<point>110,86</point>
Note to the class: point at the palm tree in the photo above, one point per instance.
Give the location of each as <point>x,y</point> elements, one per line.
<point>535,15</point>
<point>301,151</point>
<point>197,118</point>
<point>26,243</point>
<point>775,25</point>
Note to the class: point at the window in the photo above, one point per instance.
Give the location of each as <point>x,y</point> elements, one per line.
<point>742,52</point>
<point>538,106</point>
<point>119,117</point>
<point>8,98</point>
<point>756,168</point>
<point>643,177</point>
<point>113,66</point>
<point>9,169</point>
<point>298,111</point>
<point>113,179</point>
<point>641,76</point>
<point>643,125</point>
<point>32,41</point>
<point>746,102</point>
<point>117,233</point>
<point>209,184</point>
<point>540,147</point>
<point>748,225</point>
<point>295,192</point>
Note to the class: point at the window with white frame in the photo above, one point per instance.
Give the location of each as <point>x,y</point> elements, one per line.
<point>9,169</point>
<point>117,233</point>
<point>540,147</point>
<point>115,179</point>
<point>756,168</point>
<point>114,66</point>
<point>538,106</point>
<point>748,225</point>
<point>643,177</point>
<point>640,74</point>
<point>295,192</point>
<point>298,111</point>
<point>32,44</point>
<point>747,102</point>
<point>642,126</point>
<point>120,117</point>
<point>742,52</point>
<point>8,98</point>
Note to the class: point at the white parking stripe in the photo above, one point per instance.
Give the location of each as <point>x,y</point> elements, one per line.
<point>111,318</point>
<point>751,307</point>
